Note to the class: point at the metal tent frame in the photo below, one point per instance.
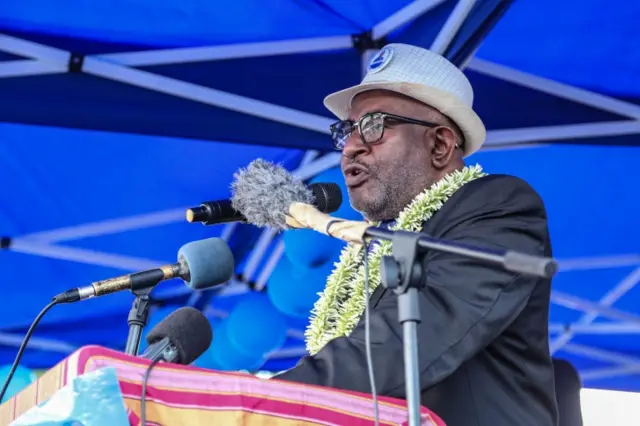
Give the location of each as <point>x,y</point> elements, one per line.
<point>120,67</point>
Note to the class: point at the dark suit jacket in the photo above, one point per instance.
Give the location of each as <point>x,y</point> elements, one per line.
<point>483,341</point>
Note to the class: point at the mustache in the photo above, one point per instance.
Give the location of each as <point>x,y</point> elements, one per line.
<point>351,161</point>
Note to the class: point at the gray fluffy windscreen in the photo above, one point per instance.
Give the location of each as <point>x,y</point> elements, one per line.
<point>264,191</point>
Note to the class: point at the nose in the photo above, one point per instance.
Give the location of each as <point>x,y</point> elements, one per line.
<point>354,146</point>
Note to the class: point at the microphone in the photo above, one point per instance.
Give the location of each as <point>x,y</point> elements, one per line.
<point>326,197</point>
<point>180,338</point>
<point>264,191</point>
<point>214,212</point>
<point>201,264</point>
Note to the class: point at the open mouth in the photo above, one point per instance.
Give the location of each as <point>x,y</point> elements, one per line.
<point>355,176</point>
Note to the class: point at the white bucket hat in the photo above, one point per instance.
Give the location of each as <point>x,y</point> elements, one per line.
<point>423,75</point>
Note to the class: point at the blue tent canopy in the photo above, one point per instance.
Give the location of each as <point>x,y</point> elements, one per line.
<point>115,117</point>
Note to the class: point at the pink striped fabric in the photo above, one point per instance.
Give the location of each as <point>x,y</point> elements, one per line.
<point>183,387</point>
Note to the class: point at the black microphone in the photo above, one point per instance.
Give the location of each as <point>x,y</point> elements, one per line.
<point>180,338</point>
<point>201,264</point>
<point>214,212</point>
<point>263,192</point>
<point>326,197</point>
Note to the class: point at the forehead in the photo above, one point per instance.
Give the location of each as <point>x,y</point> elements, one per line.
<point>382,101</point>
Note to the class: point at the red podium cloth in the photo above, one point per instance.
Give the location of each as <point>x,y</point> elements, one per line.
<point>184,395</point>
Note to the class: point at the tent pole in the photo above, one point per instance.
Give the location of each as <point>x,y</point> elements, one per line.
<point>271,264</point>
<point>110,226</point>
<point>29,49</point>
<point>320,124</point>
<point>572,93</point>
<point>231,288</point>
<point>257,253</point>
<point>601,354</point>
<point>572,302</point>
<point>73,254</point>
<point>452,25</point>
<point>619,290</point>
<point>207,95</point>
<point>552,134</point>
<point>41,243</point>
<point>596,329</point>
<point>230,51</point>
<point>37,343</point>
<point>294,352</point>
<point>608,373</point>
<point>326,162</point>
<point>171,86</point>
<point>156,218</point>
<point>29,67</point>
<point>403,16</point>
<point>599,262</point>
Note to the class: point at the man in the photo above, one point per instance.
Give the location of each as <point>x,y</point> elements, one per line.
<point>483,341</point>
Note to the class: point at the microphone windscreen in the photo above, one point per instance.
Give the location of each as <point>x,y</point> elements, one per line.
<point>188,330</point>
<point>210,263</point>
<point>264,191</point>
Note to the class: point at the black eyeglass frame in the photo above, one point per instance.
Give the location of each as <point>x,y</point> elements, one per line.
<point>356,125</point>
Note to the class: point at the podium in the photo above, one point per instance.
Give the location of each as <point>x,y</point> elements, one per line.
<point>186,395</point>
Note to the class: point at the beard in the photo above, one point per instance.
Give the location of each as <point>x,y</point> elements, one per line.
<point>384,195</point>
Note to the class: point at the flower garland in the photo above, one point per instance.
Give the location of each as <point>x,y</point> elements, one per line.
<point>342,303</point>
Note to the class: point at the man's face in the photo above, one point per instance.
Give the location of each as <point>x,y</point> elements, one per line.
<point>382,178</point>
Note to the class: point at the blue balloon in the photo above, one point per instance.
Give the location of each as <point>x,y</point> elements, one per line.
<point>308,248</point>
<point>255,326</point>
<point>205,360</point>
<point>293,290</point>
<point>224,354</point>
<point>22,378</point>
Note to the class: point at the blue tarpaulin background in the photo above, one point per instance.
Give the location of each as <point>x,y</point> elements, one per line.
<point>85,145</point>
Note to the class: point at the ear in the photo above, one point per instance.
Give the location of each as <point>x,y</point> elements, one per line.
<point>444,147</point>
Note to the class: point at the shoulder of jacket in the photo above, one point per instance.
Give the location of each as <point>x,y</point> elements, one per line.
<point>501,186</point>
<point>501,180</point>
<point>491,191</point>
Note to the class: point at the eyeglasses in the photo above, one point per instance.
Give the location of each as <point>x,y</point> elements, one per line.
<point>370,127</point>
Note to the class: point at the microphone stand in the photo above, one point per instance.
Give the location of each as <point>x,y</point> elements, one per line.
<point>403,274</point>
<point>138,316</point>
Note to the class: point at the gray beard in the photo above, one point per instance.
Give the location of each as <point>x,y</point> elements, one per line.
<point>388,201</point>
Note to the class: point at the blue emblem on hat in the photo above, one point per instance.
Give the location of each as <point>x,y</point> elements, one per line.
<point>381,60</point>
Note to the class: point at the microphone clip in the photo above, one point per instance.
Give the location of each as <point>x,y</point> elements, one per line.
<point>137,320</point>
<point>162,350</point>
